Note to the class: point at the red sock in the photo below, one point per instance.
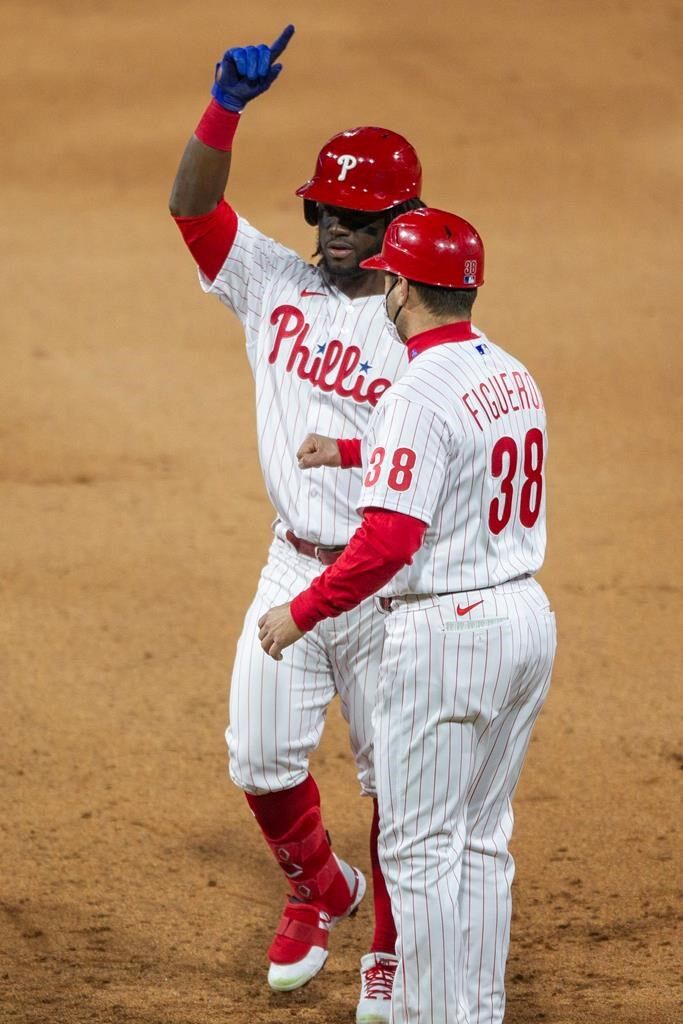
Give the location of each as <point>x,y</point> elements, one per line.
<point>285,817</point>
<point>278,813</point>
<point>384,939</point>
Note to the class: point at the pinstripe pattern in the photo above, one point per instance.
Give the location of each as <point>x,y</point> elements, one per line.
<point>277,709</point>
<point>259,278</point>
<point>456,704</point>
<point>429,411</point>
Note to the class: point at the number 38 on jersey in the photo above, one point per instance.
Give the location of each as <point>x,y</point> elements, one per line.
<point>505,459</point>
<point>400,471</point>
<point>516,472</point>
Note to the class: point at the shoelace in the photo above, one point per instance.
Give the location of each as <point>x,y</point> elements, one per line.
<point>379,980</point>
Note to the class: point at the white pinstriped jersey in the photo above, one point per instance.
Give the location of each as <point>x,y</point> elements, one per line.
<point>320,362</point>
<point>460,443</point>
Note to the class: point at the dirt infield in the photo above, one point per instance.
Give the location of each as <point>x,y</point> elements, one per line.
<point>134,523</point>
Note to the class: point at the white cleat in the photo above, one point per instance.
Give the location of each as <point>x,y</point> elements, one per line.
<point>377,972</point>
<point>287,977</point>
<point>305,927</point>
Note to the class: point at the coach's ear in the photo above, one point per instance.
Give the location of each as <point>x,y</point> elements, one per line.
<point>402,293</point>
<point>403,290</point>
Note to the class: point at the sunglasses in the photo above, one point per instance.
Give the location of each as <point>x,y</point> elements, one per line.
<point>355,220</point>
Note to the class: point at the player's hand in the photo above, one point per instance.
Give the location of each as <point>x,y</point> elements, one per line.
<point>247,71</point>
<point>318,450</point>
<point>277,630</point>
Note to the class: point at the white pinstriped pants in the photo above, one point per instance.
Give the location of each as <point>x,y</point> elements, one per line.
<point>456,703</point>
<point>278,708</point>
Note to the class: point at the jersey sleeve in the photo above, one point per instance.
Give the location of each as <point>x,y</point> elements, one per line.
<point>406,453</point>
<point>209,237</point>
<point>253,262</point>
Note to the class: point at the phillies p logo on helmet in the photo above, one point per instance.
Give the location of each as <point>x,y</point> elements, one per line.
<point>368,168</point>
<point>347,162</point>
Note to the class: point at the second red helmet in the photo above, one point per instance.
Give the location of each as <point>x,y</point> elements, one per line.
<point>433,247</point>
<point>371,169</point>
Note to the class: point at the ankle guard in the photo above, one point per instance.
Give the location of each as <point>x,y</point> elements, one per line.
<point>306,858</point>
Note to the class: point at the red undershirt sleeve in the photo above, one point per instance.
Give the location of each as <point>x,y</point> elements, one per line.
<point>209,237</point>
<point>380,547</point>
<point>350,452</point>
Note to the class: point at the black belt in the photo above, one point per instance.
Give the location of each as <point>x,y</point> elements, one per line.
<point>326,556</point>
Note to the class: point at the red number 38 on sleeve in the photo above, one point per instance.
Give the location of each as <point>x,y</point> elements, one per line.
<point>400,475</point>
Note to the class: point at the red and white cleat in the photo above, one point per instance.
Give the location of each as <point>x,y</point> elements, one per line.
<point>299,950</point>
<point>377,972</point>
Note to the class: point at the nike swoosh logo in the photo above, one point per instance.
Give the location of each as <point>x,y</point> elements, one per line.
<point>305,292</point>
<point>468,608</point>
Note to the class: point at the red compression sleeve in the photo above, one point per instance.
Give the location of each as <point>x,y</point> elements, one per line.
<point>383,544</point>
<point>349,449</point>
<point>209,237</point>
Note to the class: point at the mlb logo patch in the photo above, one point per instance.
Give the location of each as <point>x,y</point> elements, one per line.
<point>470,272</point>
<point>482,348</point>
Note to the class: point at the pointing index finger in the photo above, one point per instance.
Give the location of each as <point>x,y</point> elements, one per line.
<point>280,44</point>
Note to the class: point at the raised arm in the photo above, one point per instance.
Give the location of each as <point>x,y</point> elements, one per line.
<point>200,181</point>
<point>242,74</point>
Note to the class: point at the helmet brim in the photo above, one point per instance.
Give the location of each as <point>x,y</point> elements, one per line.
<point>329,193</point>
<point>376,263</point>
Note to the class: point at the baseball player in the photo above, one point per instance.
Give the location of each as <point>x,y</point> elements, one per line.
<point>322,355</point>
<point>453,530</point>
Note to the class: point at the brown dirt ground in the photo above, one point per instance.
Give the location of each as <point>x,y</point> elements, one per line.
<point>134,887</point>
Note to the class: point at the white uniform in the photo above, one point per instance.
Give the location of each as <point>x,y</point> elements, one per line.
<point>460,443</point>
<point>320,362</point>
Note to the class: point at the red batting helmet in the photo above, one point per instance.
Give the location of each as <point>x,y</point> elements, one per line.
<point>433,247</point>
<point>369,169</point>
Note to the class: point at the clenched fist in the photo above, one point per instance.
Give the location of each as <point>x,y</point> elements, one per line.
<point>318,450</point>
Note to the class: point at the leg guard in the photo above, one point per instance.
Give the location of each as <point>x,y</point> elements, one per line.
<point>313,872</point>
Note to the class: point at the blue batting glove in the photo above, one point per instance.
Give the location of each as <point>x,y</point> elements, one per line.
<point>247,71</point>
